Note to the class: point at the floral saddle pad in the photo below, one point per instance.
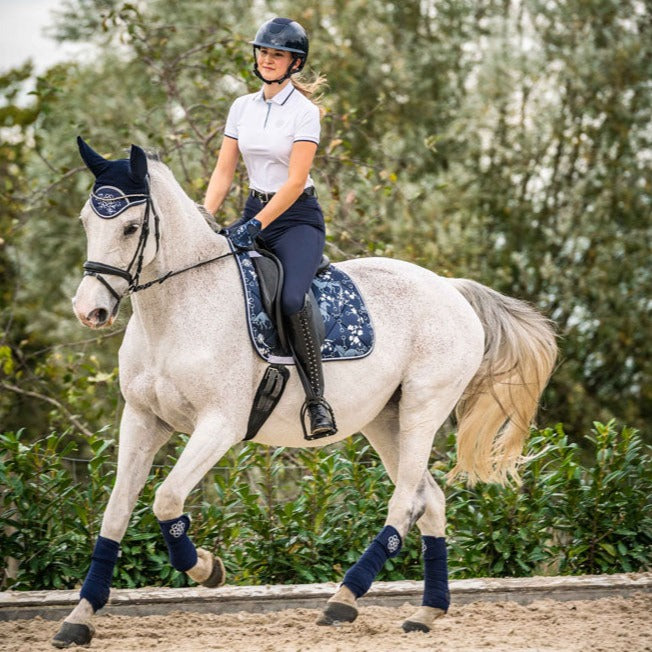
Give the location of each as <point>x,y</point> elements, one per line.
<point>348,327</point>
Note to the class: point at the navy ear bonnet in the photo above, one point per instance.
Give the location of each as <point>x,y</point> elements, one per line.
<point>120,184</point>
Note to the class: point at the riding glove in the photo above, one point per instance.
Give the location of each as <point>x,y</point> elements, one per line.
<point>243,236</point>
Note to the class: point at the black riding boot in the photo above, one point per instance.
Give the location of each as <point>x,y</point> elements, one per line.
<point>305,342</point>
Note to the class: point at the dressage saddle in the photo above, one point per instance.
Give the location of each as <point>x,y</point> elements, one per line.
<point>270,279</point>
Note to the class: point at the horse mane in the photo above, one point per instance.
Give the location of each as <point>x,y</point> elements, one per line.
<point>151,154</point>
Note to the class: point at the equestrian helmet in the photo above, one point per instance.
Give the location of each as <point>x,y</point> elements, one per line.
<point>283,34</point>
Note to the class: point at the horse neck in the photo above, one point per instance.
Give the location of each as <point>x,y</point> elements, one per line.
<point>186,237</point>
<point>185,240</point>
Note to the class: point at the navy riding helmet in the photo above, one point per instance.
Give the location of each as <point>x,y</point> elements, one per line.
<point>282,34</point>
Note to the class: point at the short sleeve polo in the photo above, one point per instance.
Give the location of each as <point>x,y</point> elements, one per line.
<point>266,130</point>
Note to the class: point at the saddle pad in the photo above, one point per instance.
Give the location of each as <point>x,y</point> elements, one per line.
<point>349,332</point>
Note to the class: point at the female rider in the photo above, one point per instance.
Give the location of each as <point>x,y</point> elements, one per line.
<point>277,132</point>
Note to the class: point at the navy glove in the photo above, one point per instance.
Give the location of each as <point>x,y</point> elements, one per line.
<point>243,236</point>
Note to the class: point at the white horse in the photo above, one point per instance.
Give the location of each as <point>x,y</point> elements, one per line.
<point>187,365</point>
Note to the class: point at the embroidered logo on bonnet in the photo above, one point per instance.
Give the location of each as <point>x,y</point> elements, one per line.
<point>109,201</point>
<point>120,184</point>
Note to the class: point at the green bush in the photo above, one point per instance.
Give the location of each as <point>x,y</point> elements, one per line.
<point>566,518</point>
<point>280,516</point>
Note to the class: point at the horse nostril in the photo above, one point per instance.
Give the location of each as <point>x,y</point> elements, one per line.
<point>99,316</point>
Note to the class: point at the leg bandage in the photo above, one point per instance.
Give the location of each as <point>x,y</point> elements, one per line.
<point>183,554</point>
<point>435,571</point>
<point>97,585</point>
<point>360,576</point>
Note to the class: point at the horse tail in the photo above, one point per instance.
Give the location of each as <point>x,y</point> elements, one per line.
<point>499,404</point>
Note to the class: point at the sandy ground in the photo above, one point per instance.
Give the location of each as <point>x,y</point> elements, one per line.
<point>605,625</point>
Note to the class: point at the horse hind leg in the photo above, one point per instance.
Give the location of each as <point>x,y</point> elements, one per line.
<point>417,498</point>
<point>383,436</point>
<point>432,525</point>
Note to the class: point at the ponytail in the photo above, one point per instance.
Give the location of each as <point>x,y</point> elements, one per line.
<point>311,89</point>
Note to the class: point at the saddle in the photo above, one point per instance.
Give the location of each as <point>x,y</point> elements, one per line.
<point>348,332</point>
<point>270,281</point>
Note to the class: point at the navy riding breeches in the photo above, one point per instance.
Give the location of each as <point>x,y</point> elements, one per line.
<point>297,239</point>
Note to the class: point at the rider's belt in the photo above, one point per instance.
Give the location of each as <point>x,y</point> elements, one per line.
<point>266,196</point>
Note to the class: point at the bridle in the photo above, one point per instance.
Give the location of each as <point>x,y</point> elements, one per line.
<point>98,269</point>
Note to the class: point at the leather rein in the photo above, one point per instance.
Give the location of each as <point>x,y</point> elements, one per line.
<point>98,269</point>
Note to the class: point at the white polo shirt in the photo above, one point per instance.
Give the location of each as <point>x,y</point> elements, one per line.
<point>266,130</point>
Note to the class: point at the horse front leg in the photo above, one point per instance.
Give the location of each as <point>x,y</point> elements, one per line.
<point>211,439</point>
<point>141,436</point>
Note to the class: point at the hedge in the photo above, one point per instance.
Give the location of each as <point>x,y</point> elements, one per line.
<point>296,516</point>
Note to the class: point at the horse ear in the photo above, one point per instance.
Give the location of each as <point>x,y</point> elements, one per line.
<point>94,162</point>
<point>138,164</point>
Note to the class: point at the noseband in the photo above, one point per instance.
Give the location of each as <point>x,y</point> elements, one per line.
<point>98,270</point>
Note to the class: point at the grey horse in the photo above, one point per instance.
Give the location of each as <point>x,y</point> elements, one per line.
<point>187,365</point>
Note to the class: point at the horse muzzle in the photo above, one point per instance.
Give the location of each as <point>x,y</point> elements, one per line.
<point>93,305</point>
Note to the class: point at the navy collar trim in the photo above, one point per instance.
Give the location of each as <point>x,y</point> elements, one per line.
<point>281,97</point>
<point>288,97</point>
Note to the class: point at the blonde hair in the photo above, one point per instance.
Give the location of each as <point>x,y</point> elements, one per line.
<point>311,88</point>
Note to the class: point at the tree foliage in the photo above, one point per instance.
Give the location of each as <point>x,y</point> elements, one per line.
<point>505,141</point>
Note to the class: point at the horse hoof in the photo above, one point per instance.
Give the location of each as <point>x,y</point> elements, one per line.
<point>73,634</point>
<point>412,626</point>
<point>217,576</point>
<point>337,612</point>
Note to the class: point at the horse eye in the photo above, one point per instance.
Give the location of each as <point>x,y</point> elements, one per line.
<point>130,229</point>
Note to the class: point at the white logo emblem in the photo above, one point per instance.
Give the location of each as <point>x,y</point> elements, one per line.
<point>393,543</point>
<point>177,529</point>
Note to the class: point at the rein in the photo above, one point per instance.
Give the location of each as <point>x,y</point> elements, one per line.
<point>97,269</point>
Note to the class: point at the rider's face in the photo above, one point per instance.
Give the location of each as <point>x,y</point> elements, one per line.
<point>273,64</point>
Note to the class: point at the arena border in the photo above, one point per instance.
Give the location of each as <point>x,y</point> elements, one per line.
<point>53,605</point>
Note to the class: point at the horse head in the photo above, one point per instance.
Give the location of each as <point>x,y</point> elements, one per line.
<point>116,219</point>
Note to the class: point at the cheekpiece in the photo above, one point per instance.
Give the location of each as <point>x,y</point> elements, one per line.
<point>109,202</point>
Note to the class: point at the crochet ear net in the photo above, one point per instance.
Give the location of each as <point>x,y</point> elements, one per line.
<point>94,162</point>
<point>99,166</point>
<point>138,164</point>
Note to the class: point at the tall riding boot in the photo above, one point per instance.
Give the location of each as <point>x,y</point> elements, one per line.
<point>305,341</point>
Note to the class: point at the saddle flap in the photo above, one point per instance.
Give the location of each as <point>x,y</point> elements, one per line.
<point>270,280</point>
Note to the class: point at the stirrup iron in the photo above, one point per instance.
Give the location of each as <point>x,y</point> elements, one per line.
<point>328,430</point>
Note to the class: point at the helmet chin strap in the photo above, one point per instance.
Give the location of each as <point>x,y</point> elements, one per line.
<point>287,75</point>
